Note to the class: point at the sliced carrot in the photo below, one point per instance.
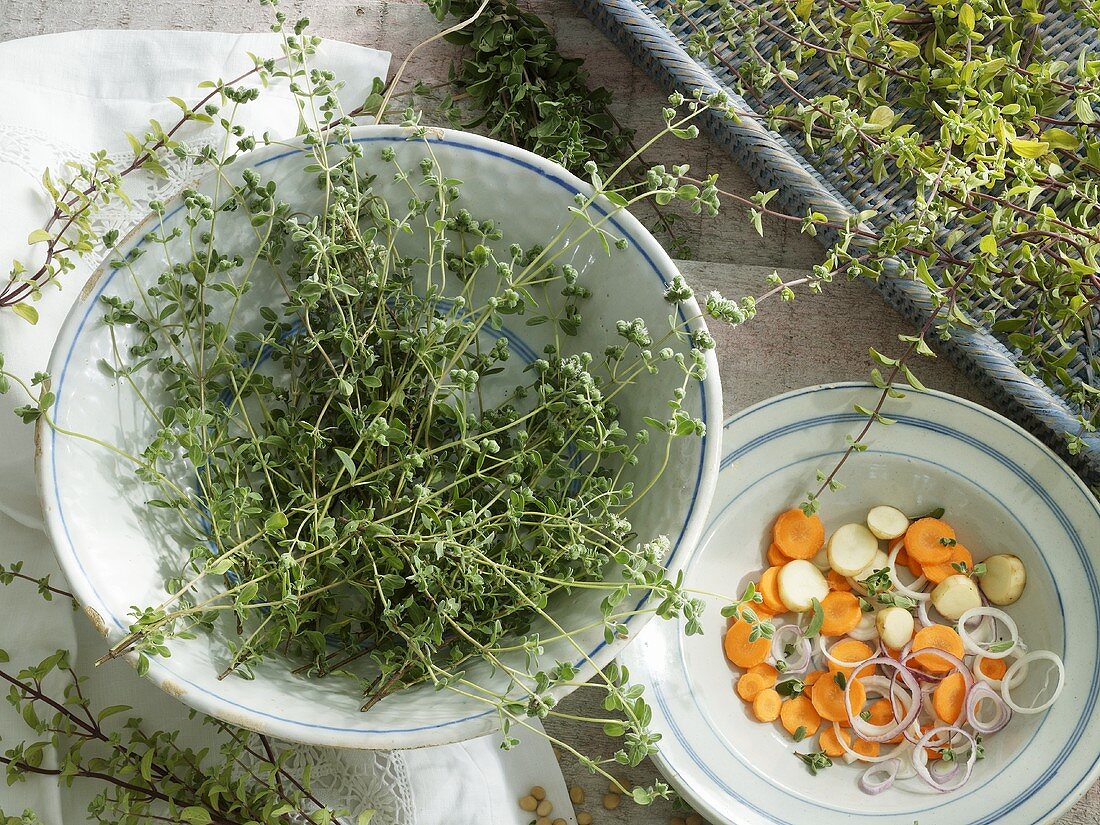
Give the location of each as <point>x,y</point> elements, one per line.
<point>842,613</point>
<point>862,746</point>
<point>797,535</point>
<point>924,541</point>
<point>798,713</point>
<point>893,654</point>
<point>837,581</point>
<point>740,650</point>
<point>775,556</point>
<point>749,685</point>
<point>854,652</point>
<point>769,589</point>
<point>830,743</point>
<point>936,573</point>
<point>938,637</point>
<point>994,668</point>
<point>828,699</point>
<point>881,712</point>
<point>903,557</point>
<point>766,705</point>
<point>915,568</point>
<point>948,697</point>
<point>810,679</point>
<point>765,671</point>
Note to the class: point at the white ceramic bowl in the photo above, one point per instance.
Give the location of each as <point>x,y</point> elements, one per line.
<point>1003,492</point>
<point>114,552</point>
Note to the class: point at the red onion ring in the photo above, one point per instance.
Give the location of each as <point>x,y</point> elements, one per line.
<point>857,722</point>
<point>869,785</point>
<point>920,759</point>
<point>983,691</point>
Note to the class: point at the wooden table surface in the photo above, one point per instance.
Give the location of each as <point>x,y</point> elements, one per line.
<point>813,340</point>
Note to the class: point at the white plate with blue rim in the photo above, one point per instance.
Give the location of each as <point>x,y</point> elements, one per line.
<point>1003,491</point>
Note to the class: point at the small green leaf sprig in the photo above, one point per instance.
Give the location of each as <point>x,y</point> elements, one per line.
<point>145,775</point>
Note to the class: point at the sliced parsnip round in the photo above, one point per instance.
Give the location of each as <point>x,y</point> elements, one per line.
<point>1004,579</point>
<point>800,582</point>
<point>887,522</point>
<point>879,562</point>
<point>851,548</point>
<point>895,627</point>
<point>821,560</point>
<point>955,595</point>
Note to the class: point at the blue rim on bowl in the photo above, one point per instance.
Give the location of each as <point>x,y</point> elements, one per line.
<point>215,700</point>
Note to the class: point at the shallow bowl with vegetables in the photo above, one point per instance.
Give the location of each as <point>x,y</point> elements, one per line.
<point>1004,494</point>
<point>117,551</point>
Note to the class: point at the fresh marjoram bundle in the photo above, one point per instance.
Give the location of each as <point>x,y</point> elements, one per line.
<point>371,484</point>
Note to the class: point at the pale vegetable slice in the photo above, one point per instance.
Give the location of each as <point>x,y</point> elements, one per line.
<point>800,582</point>
<point>895,627</point>
<point>821,560</point>
<point>1004,579</point>
<point>887,522</point>
<point>880,562</point>
<point>851,548</point>
<point>955,595</point>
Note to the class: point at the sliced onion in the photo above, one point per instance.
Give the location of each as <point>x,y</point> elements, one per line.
<point>983,692</point>
<point>883,733</point>
<point>879,778</point>
<point>954,781</point>
<point>914,590</point>
<point>972,646</point>
<point>803,654</point>
<point>844,663</point>
<point>1010,680</point>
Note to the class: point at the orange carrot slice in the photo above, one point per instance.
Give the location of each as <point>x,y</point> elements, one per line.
<point>829,742</point>
<point>936,573</point>
<point>993,668</point>
<point>854,652</point>
<point>740,650</point>
<point>797,535</point>
<point>749,685</point>
<point>765,671</point>
<point>766,705</point>
<point>938,637</point>
<point>769,589</point>
<point>828,699</point>
<point>842,613</point>
<point>837,581</point>
<point>798,713</point>
<point>862,746</point>
<point>924,541</point>
<point>948,697</point>
<point>775,556</point>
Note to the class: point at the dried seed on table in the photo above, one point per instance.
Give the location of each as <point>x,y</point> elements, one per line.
<point>544,808</point>
<point>576,794</point>
<point>694,819</point>
<point>542,820</point>
<point>558,822</point>
<point>612,801</point>
<point>538,792</point>
<point>677,820</point>
<point>528,803</point>
<point>584,818</point>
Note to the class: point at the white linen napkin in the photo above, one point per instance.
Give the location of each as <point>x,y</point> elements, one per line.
<point>65,96</point>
